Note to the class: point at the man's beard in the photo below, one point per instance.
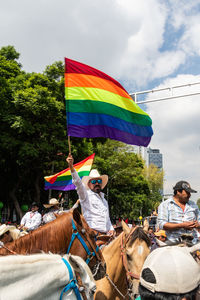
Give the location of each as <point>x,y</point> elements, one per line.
<point>97,189</point>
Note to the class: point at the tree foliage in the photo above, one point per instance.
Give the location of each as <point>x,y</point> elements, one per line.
<point>155,178</point>
<point>32,125</point>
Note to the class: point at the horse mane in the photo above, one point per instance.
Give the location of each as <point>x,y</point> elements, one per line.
<point>139,233</point>
<point>49,237</point>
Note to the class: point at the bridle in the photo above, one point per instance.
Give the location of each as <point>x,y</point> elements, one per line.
<point>124,257</point>
<point>90,255</point>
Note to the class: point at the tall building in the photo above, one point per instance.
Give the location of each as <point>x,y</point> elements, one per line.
<point>151,156</point>
<point>154,157</point>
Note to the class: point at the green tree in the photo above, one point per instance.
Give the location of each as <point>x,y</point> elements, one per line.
<point>33,126</point>
<point>9,69</point>
<point>155,179</point>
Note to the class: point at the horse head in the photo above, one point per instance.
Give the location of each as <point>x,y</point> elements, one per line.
<point>135,247</point>
<point>87,281</point>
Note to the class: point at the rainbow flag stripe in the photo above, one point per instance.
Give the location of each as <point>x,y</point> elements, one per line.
<point>62,181</point>
<point>98,106</point>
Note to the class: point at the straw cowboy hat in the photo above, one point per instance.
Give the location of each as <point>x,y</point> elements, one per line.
<point>95,174</point>
<point>52,202</point>
<point>4,228</point>
<point>160,233</point>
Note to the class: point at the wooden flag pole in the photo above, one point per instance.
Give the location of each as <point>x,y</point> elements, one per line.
<point>69,144</point>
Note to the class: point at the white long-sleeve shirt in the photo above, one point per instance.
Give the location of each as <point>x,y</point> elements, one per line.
<point>94,206</point>
<point>31,220</point>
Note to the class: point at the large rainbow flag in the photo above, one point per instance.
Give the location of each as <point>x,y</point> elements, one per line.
<point>62,181</point>
<point>98,106</point>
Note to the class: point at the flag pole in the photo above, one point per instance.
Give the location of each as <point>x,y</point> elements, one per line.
<point>69,144</point>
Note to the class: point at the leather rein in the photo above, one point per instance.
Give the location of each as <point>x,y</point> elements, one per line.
<point>124,257</point>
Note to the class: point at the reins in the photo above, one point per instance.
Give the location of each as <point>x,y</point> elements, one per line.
<point>124,257</point>
<point>2,245</point>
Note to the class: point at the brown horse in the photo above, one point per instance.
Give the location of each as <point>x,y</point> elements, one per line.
<point>56,237</point>
<point>124,258</point>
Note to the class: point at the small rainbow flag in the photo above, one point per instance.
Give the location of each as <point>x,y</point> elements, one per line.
<point>62,181</point>
<point>98,106</point>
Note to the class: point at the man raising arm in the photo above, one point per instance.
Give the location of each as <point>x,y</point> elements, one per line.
<point>93,203</point>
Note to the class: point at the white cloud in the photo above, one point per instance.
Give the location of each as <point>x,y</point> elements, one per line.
<point>122,38</point>
<point>167,62</point>
<point>185,16</point>
<point>177,131</point>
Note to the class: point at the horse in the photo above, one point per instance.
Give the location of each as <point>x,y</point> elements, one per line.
<point>9,233</point>
<point>124,258</point>
<point>44,276</point>
<point>69,232</point>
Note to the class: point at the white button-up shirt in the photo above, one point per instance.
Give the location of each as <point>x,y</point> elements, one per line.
<point>169,211</point>
<point>31,220</point>
<point>94,206</point>
<point>50,216</point>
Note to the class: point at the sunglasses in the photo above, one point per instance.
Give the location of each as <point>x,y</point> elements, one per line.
<point>93,181</point>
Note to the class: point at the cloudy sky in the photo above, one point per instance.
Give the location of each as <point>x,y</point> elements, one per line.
<point>145,44</point>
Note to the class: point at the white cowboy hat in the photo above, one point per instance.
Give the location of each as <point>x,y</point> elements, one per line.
<point>52,202</point>
<point>4,228</point>
<point>95,174</point>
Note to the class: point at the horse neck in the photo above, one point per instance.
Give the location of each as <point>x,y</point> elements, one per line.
<point>46,238</point>
<point>113,258</point>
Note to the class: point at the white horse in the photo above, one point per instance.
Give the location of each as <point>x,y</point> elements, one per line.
<point>42,277</point>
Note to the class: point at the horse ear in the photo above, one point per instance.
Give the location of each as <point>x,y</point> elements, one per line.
<point>73,260</point>
<point>146,225</point>
<point>77,216</point>
<point>125,227</point>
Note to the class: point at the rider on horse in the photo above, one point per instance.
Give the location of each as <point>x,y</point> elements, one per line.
<point>93,203</point>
